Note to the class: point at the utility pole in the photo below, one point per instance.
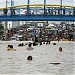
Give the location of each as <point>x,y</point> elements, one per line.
<point>6,30</point>
<point>44,7</point>
<point>61,2</point>
<point>11,7</point>
<point>61,6</point>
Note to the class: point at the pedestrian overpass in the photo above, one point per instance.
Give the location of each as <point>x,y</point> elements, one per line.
<point>38,12</point>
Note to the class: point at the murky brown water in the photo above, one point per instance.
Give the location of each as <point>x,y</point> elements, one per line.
<point>15,62</point>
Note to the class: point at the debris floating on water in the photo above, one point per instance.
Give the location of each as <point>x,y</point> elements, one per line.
<point>56,63</point>
<point>54,43</point>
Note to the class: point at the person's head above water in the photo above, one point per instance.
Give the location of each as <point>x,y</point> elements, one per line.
<point>29,44</point>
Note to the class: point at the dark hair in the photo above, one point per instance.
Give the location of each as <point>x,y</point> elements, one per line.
<point>29,58</point>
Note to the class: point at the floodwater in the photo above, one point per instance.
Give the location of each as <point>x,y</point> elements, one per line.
<point>15,62</point>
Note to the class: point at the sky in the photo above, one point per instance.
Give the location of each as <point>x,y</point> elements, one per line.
<point>20,2</point>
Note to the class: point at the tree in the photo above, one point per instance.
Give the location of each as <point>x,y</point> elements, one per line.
<point>1,29</point>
